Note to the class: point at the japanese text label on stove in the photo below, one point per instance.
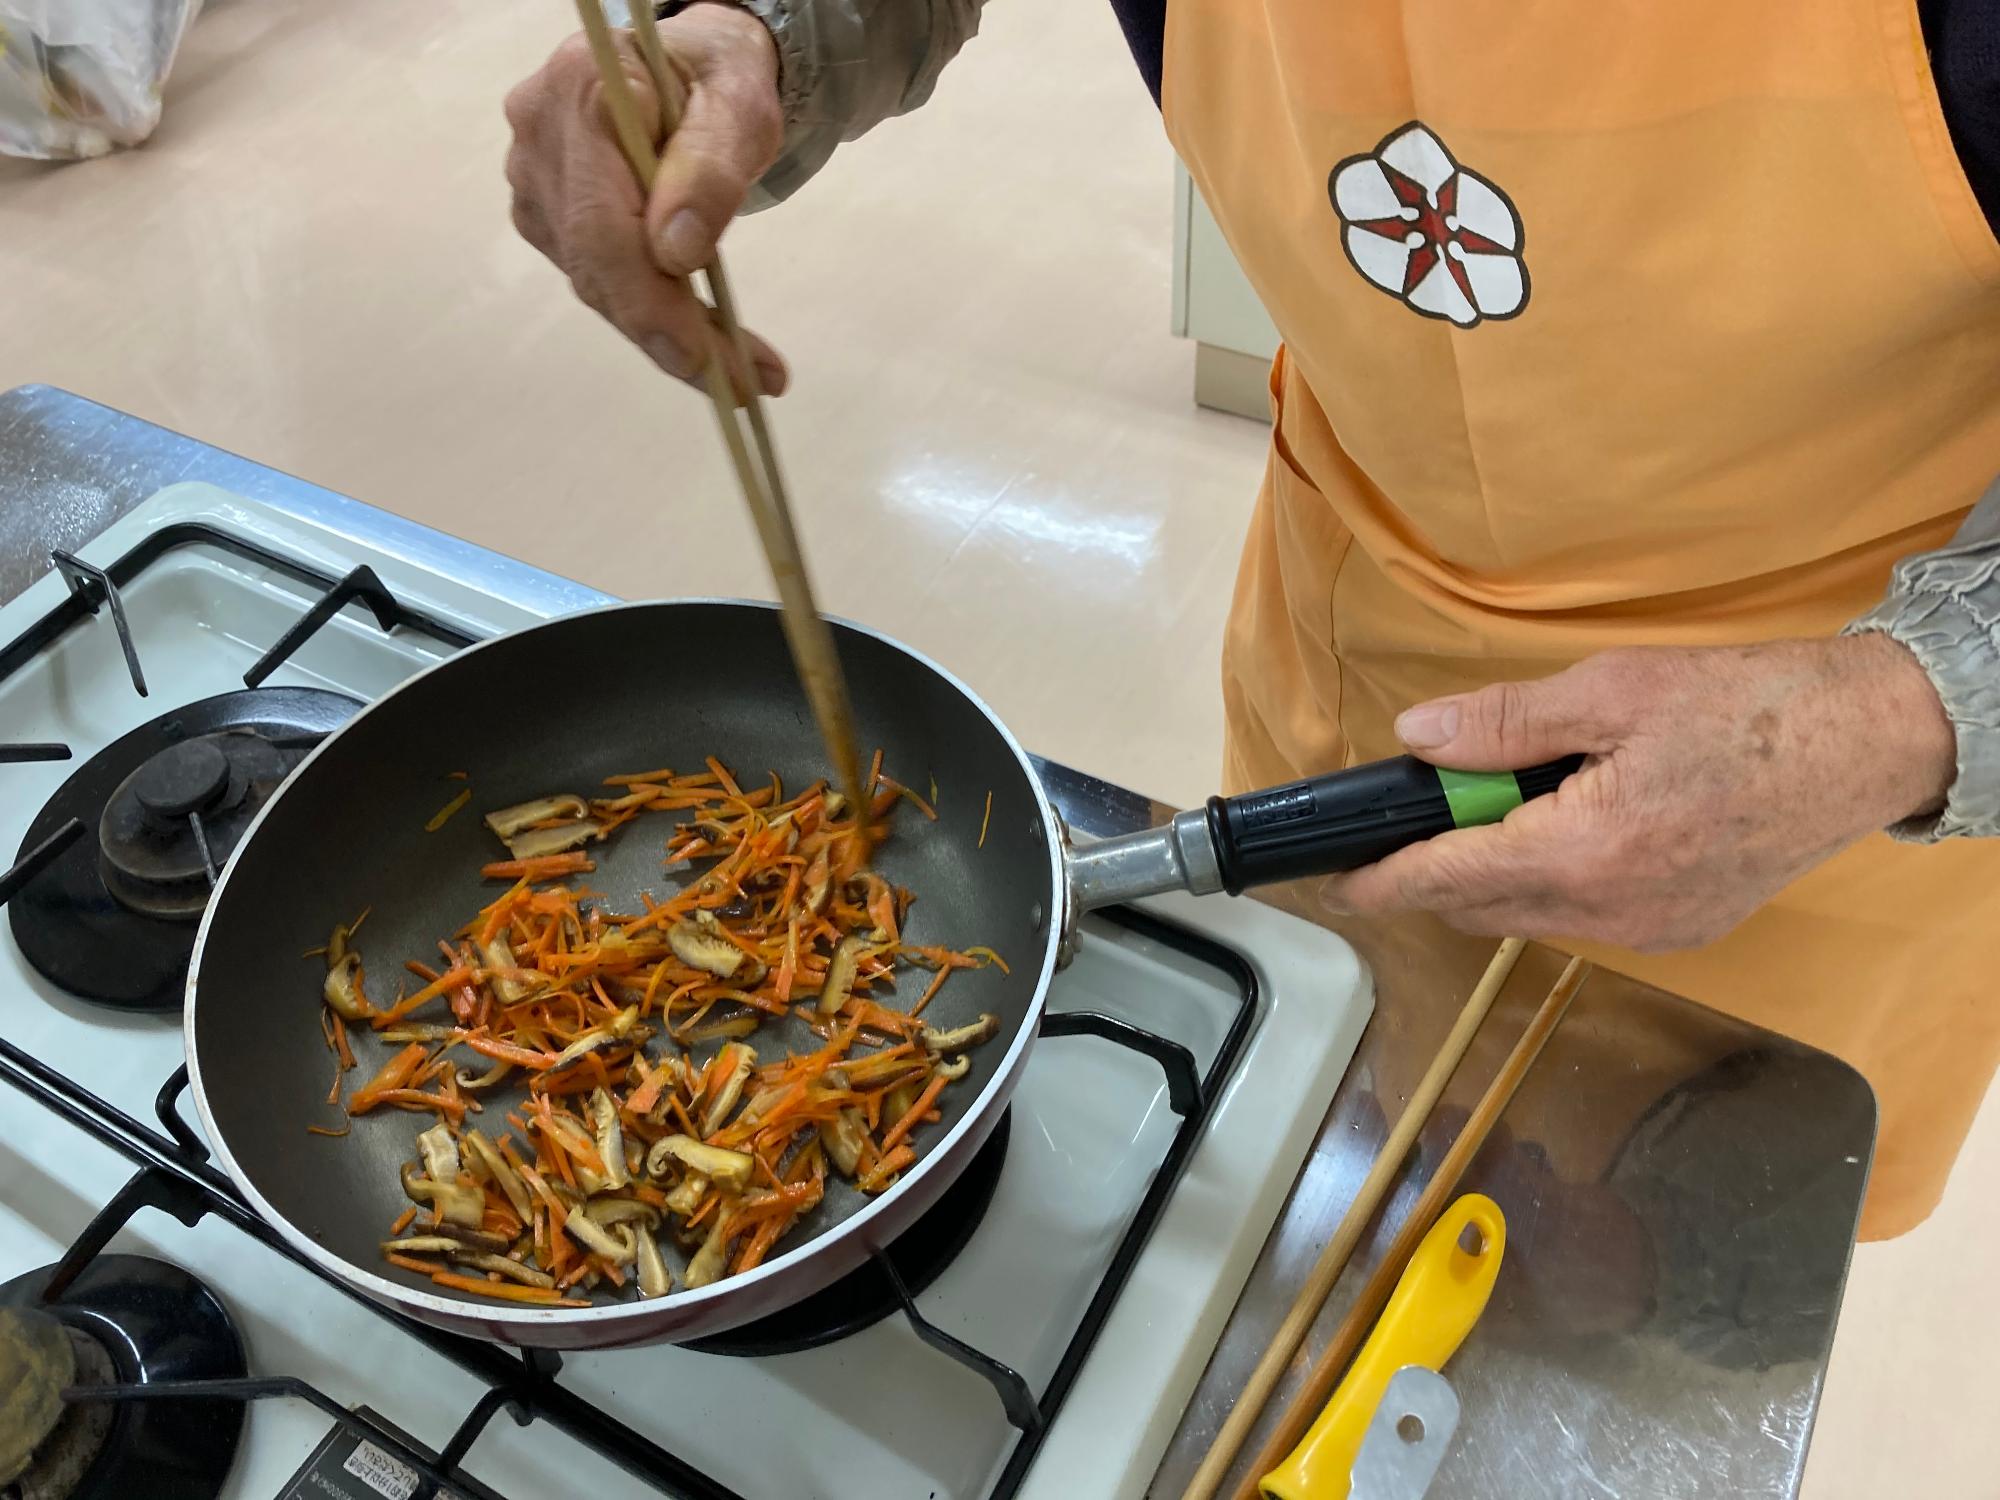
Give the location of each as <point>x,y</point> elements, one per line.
<point>347,1466</point>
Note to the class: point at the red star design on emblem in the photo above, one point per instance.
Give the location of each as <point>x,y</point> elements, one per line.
<point>1437,224</point>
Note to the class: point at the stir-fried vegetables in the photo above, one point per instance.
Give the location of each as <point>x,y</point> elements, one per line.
<point>600,1108</point>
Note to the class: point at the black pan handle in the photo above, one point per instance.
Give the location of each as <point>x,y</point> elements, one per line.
<point>1352,818</point>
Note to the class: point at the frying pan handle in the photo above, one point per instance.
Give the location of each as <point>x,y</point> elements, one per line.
<point>1355,817</point>
<point>1330,823</point>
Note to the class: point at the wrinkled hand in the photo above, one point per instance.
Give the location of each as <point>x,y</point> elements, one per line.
<point>575,199</point>
<point>1716,777</point>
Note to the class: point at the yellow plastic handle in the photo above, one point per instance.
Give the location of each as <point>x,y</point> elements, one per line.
<point>1442,1292</point>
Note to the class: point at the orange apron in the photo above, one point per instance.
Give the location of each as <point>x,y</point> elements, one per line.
<point>1604,325</point>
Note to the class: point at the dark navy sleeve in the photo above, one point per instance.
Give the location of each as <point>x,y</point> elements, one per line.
<point>1145,23</point>
<point>1964,41</point>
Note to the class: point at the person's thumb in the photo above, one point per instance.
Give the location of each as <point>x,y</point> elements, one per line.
<point>1513,724</point>
<point>730,134</point>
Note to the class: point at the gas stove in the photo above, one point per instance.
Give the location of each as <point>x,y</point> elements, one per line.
<point>1037,1336</point>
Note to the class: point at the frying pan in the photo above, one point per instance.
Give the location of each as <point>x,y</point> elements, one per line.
<point>559,706</point>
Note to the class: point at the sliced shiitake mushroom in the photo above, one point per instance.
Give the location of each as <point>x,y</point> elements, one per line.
<point>537,843</point>
<point>473,1082</point>
<point>430,1244</point>
<point>614,1211</point>
<point>594,1237</point>
<point>498,956</point>
<point>686,1198</point>
<point>711,1259</point>
<point>508,821</point>
<point>343,985</point>
<point>698,942</point>
<point>958,1038</point>
<point>506,1266</point>
<point>699,947</point>
<point>655,1280</point>
<point>610,1138</point>
<point>486,1159</point>
<point>418,1031</point>
<point>730,1168</point>
<point>622,1030</point>
<point>457,1203</point>
<point>840,972</point>
<point>844,1137</point>
<point>741,1060</point>
<point>580,1145</point>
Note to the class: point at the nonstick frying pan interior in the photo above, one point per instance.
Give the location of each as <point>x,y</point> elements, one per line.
<point>556,709</point>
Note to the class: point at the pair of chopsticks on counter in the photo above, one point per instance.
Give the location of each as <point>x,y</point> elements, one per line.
<point>756,461</point>
<point>1347,1339</point>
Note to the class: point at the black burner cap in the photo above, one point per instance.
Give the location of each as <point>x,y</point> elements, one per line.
<point>182,779</point>
<point>112,918</point>
<point>139,1321</point>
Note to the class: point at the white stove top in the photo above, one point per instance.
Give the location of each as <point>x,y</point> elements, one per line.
<point>879,1413</point>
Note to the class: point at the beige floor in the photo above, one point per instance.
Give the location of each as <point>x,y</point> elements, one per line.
<point>990,436</point>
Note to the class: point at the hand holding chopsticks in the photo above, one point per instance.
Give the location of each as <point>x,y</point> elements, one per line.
<point>726,370</point>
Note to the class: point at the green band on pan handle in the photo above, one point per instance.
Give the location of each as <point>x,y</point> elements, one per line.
<point>1478,797</point>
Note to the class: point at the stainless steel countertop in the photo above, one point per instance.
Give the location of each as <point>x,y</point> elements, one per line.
<point>1681,1189</point>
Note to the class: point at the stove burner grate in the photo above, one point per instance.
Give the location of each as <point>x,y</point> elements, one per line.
<point>109,914</point>
<point>91,587</point>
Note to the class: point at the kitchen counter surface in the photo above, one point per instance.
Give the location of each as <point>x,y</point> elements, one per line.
<point>1681,1189</point>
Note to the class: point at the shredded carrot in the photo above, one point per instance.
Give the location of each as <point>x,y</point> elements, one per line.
<point>884,1169</point>
<point>445,814</point>
<point>914,800</point>
<point>984,820</point>
<point>500,1051</point>
<point>643,1098</point>
<point>542,867</point>
<point>506,1291</point>
<point>322,1130</point>
<point>914,1113</point>
<point>395,1074</point>
<point>930,991</point>
<point>448,980</point>
<point>785,883</point>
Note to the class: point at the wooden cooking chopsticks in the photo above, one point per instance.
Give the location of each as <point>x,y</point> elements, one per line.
<point>1360,1214</point>
<point>756,461</point>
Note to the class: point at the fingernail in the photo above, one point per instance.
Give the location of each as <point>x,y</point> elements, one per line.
<point>1332,898</point>
<point>668,355</point>
<point>684,242</point>
<point>772,377</point>
<point>1428,725</point>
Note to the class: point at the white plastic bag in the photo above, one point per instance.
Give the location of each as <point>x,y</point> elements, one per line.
<point>82,77</point>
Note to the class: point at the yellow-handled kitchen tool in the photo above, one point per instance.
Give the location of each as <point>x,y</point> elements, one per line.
<point>1441,1295</point>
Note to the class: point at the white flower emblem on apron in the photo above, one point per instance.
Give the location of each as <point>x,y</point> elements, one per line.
<point>1441,239</point>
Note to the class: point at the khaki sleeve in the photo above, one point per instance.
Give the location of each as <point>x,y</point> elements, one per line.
<point>1945,606</point>
<point>844,66</point>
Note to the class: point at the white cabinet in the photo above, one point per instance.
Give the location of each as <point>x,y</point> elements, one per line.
<point>1214,306</point>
